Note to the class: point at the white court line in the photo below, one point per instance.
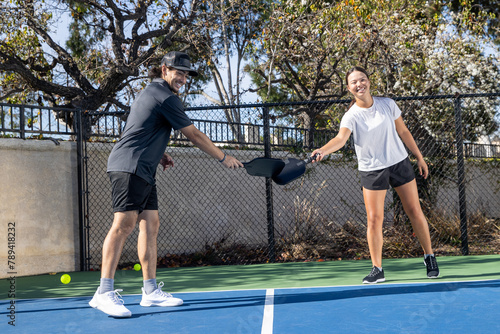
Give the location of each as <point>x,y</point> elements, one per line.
<point>267,321</point>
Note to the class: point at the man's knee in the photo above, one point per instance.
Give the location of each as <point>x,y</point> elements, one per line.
<point>124,222</point>
<point>151,227</point>
<point>149,221</point>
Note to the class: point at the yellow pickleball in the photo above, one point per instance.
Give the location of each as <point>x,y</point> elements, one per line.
<point>65,279</point>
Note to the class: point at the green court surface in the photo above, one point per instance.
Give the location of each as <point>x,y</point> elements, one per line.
<point>260,276</point>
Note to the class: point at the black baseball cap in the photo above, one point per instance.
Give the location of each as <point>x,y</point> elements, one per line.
<point>180,61</point>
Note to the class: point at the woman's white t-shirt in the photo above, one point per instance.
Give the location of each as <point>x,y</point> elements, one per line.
<point>376,140</point>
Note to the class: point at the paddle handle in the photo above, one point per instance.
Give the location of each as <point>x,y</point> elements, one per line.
<point>311,159</point>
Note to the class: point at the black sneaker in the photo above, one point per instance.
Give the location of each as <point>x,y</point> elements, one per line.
<point>375,276</point>
<point>432,267</point>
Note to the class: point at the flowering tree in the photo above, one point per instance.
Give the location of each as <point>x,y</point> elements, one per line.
<point>409,47</point>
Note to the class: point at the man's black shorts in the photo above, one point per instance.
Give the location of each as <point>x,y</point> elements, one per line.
<point>394,176</point>
<point>132,193</point>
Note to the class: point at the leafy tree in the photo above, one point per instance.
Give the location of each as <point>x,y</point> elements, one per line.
<point>224,32</point>
<point>487,11</point>
<point>111,46</point>
<point>409,47</point>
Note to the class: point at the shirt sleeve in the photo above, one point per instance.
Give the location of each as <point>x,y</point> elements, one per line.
<point>347,121</point>
<point>173,111</point>
<point>396,112</point>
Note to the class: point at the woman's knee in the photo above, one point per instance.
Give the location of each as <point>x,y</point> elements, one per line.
<point>414,212</point>
<point>374,220</point>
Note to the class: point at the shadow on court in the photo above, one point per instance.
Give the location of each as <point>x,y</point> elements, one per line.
<point>380,290</point>
<point>285,297</point>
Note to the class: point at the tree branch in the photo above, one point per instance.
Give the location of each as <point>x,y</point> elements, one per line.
<point>16,65</point>
<point>208,97</point>
<point>64,58</point>
<point>10,93</point>
<point>119,104</point>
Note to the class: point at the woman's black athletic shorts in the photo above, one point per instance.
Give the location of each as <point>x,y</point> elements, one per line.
<point>394,176</point>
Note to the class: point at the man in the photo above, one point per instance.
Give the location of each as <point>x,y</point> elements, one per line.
<point>132,169</point>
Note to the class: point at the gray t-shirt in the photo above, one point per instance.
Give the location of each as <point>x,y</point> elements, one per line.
<point>153,115</point>
<point>376,140</point>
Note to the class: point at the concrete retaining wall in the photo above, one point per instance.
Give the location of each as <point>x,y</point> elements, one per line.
<point>38,207</point>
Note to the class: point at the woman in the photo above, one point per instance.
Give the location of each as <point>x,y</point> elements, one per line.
<point>379,135</point>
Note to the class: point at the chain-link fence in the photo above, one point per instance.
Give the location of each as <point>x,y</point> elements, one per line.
<point>212,215</point>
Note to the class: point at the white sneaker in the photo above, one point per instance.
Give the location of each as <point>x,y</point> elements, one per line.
<point>110,303</point>
<point>159,298</point>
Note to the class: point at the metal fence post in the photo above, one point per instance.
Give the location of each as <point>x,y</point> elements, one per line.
<point>22,123</point>
<point>81,197</point>
<point>461,176</point>
<point>269,188</point>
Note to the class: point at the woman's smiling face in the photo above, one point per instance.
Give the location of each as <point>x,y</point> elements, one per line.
<point>358,84</point>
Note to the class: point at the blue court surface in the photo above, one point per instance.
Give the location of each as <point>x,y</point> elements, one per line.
<point>433,307</point>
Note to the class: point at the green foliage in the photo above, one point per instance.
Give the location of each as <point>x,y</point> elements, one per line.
<point>480,16</point>
<point>103,63</point>
<point>294,50</point>
<point>409,48</point>
<point>20,41</point>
